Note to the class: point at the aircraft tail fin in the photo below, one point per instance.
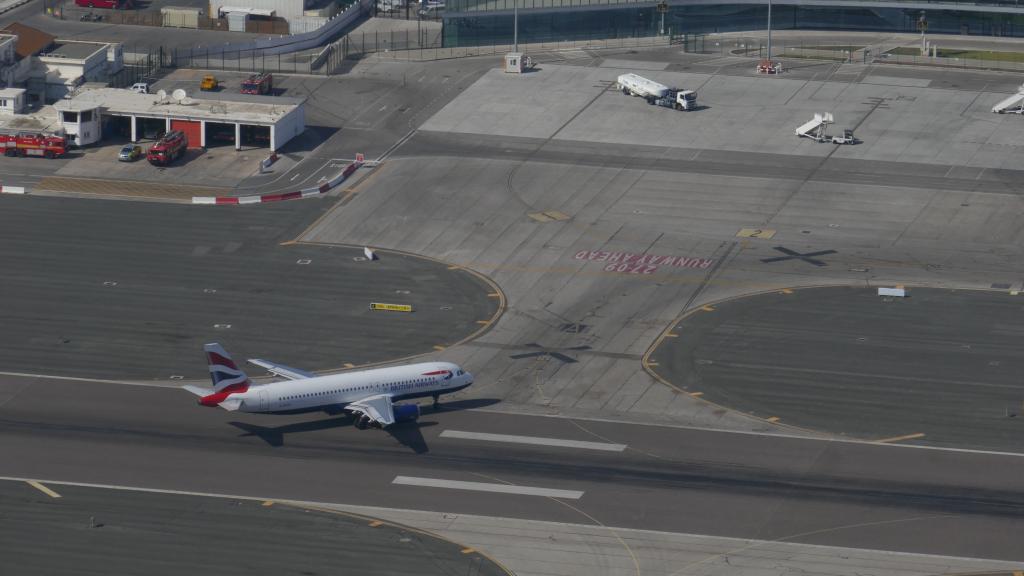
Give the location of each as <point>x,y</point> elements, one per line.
<point>224,373</point>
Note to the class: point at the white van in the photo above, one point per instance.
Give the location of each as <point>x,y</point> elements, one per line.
<point>140,88</point>
<point>431,9</point>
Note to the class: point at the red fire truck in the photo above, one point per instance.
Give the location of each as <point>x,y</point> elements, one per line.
<point>113,4</point>
<point>262,83</point>
<point>168,149</point>
<point>32,144</point>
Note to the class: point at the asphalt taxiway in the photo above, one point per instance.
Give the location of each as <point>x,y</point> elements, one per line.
<point>705,205</point>
<point>105,531</point>
<point>658,478</point>
<point>939,367</point>
<point>130,290</point>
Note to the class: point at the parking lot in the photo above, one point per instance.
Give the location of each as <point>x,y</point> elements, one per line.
<point>229,83</point>
<point>220,166</point>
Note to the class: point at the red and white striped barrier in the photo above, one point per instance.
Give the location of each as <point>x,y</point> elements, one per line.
<point>321,188</point>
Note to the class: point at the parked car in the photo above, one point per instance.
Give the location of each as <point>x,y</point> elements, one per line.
<point>430,10</point>
<point>130,153</point>
<point>209,83</point>
<point>140,87</point>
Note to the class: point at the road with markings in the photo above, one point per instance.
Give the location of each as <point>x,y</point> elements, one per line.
<point>467,460</point>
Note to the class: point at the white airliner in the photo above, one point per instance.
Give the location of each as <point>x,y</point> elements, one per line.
<point>370,395</point>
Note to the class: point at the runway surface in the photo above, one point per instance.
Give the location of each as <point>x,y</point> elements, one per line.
<point>685,480</point>
<point>103,531</point>
<point>942,366</point>
<point>131,290</point>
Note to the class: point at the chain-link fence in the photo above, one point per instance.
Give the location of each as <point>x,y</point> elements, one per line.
<point>421,45</point>
<point>966,59</point>
<point>255,60</point>
<point>405,10</point>
<point>852,52</point>
<point>138,67</point>
<point>758,48</point>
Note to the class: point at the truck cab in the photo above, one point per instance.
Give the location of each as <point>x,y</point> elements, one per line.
<point>675,98</point>
<point>686,100</point>
<point>171,147</point>
<point>262,83</point>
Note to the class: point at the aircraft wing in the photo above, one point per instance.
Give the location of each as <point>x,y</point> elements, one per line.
<point>282,370</point>
<point>377,408</point>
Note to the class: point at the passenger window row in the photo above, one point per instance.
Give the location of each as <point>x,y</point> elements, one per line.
<point>312,394</point>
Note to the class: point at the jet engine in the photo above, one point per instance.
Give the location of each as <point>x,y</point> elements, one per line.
<point>406,412</point>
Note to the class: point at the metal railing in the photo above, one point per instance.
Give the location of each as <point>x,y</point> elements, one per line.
<point>425,45</point>
<point>852,52</point>
<point>254,60</point>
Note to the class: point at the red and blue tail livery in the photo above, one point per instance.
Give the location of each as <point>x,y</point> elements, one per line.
<point>227,380</point>
<point>224,373</point>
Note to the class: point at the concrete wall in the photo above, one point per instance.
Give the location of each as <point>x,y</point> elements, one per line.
<point>12,101</point>
<point>176,17</point>
<point>115,58</point>
<point>12,71</point>
<point>15,73</point>
<point>288,127</point>
<point>304,24</point>
<point>93,67</point>
<point>7,48</point>
<point>62,75</point>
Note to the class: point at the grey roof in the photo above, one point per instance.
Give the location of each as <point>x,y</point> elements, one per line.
<point>73,50</point>
<point>264,111</point>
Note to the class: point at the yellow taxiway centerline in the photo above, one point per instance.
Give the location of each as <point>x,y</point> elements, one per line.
<point>43,489</point>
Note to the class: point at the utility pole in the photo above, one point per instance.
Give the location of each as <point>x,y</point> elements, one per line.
<point>769,31</point>
<point>922,25</point>
<point>515,26</point>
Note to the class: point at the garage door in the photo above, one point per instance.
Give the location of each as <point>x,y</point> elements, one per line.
<point>193,131</point>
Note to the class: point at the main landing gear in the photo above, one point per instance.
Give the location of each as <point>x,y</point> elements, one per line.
<point>437,403</point>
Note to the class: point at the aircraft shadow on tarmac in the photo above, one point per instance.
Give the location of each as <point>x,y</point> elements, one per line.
<point>408,434</point>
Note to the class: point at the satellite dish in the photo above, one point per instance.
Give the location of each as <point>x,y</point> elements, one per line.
<point>161,94</point>
<point>178,95</point>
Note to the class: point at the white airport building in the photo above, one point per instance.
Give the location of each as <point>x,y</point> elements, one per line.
<point>49,68</point>
<point>259,121</point>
